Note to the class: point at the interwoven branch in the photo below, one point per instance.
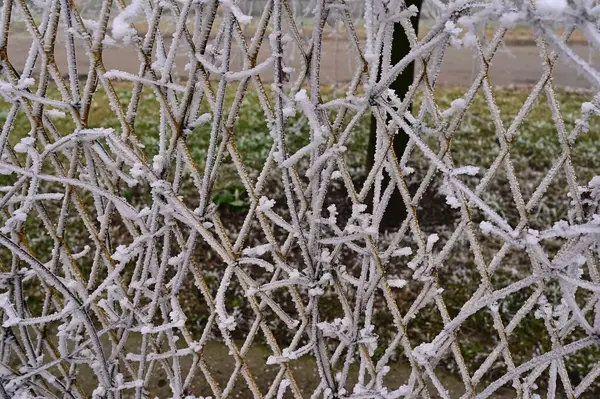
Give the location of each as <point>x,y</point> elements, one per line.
<point>95,282</point>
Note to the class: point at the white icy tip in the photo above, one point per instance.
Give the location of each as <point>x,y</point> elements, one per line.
<point>552,7</point>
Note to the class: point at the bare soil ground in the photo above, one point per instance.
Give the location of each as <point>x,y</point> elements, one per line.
<point>221,366</point>
<point>512,65</point>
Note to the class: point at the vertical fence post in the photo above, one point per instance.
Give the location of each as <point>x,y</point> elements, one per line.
<point>396,211</point>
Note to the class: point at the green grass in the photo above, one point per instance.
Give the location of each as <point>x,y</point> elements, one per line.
<point>534,148</point>
<point>533,151</point>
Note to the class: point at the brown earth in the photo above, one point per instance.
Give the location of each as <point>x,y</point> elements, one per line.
<point>221,365</point>
<point>512,65</point>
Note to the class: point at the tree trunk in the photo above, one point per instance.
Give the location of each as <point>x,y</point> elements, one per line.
<point>396,210</point>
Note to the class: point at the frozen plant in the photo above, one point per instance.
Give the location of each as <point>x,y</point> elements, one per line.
<point>108,233</point>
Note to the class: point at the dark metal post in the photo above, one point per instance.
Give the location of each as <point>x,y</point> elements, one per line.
<point>396,211</point>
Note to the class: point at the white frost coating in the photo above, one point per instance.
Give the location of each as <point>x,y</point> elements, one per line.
<point>453,31</point>
<point>24,145</point>
<point>424,352</point>
<point>25,83</point>
<point>122,75</point>
<point>456,105</point>
<point>11,317</point>
<point>202,119</point>
<point>120,235</point>
<point>587,107</point>
<point>551,7</point>
<point>511,19</point>
<point>486,227</point>
<point>121,25</point>
<point>137,170</point>
<point>258,250</point>
<point>263,66</point>
<point>406,251</point>
<point>264,204</point>
<point>466,170</point>
<point>431,240</point>
<point>158,163</point>
<point>283,386</point>
<point>54,113</point>
<point>397,282</point>
<point>469,39</point>
<point>452,201</point>
<point>301,96</point>
<point>235,10</point>
<point>300,153</point>
<point>289,111</point>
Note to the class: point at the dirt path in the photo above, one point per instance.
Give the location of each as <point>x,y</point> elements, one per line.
<point>221,365</point>
<point>518,65</point>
